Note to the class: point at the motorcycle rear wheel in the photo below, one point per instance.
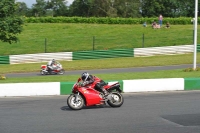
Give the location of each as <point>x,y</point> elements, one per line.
<point>75,105</point>
<point>116,99</point>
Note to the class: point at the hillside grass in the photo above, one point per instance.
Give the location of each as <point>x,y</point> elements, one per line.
<point>68,37</point>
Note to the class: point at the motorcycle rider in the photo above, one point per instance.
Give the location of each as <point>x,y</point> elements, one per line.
<point>51,65</point>
<point>89,79</point>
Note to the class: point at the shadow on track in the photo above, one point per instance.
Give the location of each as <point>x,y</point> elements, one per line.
<point>66,108</point>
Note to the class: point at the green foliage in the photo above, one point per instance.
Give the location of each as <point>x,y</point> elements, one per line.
<point>191,69</point>
<point>110,8</point>
<point>107,20</point>
<point>2,77</point>
<point>10,25</point>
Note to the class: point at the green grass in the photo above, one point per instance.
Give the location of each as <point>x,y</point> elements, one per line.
<point>179,73</point>
<point>65,37</point>
<point>108,63</point>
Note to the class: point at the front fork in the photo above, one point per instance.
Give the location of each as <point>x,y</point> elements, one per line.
<point>76,97</point>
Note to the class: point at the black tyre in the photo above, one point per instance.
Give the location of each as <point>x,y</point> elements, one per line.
<point>116,99</point>
<point>75,105</point>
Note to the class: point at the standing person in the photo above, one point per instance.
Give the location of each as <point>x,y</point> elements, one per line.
<point>160,18</point>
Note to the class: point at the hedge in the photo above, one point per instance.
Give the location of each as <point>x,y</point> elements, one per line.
<point>107,20</point>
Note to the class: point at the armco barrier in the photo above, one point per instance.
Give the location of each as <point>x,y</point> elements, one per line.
<point>4,60</point>
<point>97,54</point>
<point>167,50</point>
<point>64,88</point>
<point>40,57</point>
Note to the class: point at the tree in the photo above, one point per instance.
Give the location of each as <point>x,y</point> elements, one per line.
<point>22,9</point>
<point>80,8</point>
<point>38,9</point>
<point>128,8</point>
<point>58,7</point>
<point>10,25</point>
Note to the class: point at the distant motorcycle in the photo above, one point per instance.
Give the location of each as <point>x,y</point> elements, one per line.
<point>87,96</point>
<point>57,69</point>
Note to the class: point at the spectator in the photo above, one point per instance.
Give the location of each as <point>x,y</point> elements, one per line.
<point>154,25</point>
<point>167,25</point>
<point>144,24</point>
<point>160,18</point>
<point>157,26</point>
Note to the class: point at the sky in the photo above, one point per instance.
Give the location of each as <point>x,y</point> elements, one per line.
<point>30,2</point>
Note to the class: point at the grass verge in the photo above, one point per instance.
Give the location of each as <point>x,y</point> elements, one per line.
<point>179,73</point>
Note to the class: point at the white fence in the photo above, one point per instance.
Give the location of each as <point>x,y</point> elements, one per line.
<point>42,57</point>
<point>169,50</point>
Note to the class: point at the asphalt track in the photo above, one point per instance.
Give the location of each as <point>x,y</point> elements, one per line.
<point>152,112</point>
<point>115,70</point>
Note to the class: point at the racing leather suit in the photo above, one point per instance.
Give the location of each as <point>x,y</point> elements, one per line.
<point>98,86</point>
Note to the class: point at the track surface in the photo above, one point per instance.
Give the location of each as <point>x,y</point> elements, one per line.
<point>153,112</point>
<point>116,70</point>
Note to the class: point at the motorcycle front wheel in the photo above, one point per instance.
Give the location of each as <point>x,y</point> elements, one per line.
<point>62,72</point>
<point>42,72</point>
<point>75,104</point>
<point>116,99</point>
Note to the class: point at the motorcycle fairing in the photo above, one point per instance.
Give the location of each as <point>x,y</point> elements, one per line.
<point>114,86</point>
<point>92,96</point>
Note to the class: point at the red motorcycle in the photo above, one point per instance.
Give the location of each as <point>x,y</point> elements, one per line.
<point>57,69</point>
<point>88,96</point>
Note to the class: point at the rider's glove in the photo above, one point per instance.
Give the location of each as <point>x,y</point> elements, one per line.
<point>84,83</point>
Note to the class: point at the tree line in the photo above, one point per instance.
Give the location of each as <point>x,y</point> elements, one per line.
<point>108,8</point>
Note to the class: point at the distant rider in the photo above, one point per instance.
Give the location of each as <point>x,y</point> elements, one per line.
<point>51,65</point>
<point>89,79</point>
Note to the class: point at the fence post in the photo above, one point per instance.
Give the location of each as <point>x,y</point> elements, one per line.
<point>143,40</point>
<point>93,42</point>
<point>45,45</point>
